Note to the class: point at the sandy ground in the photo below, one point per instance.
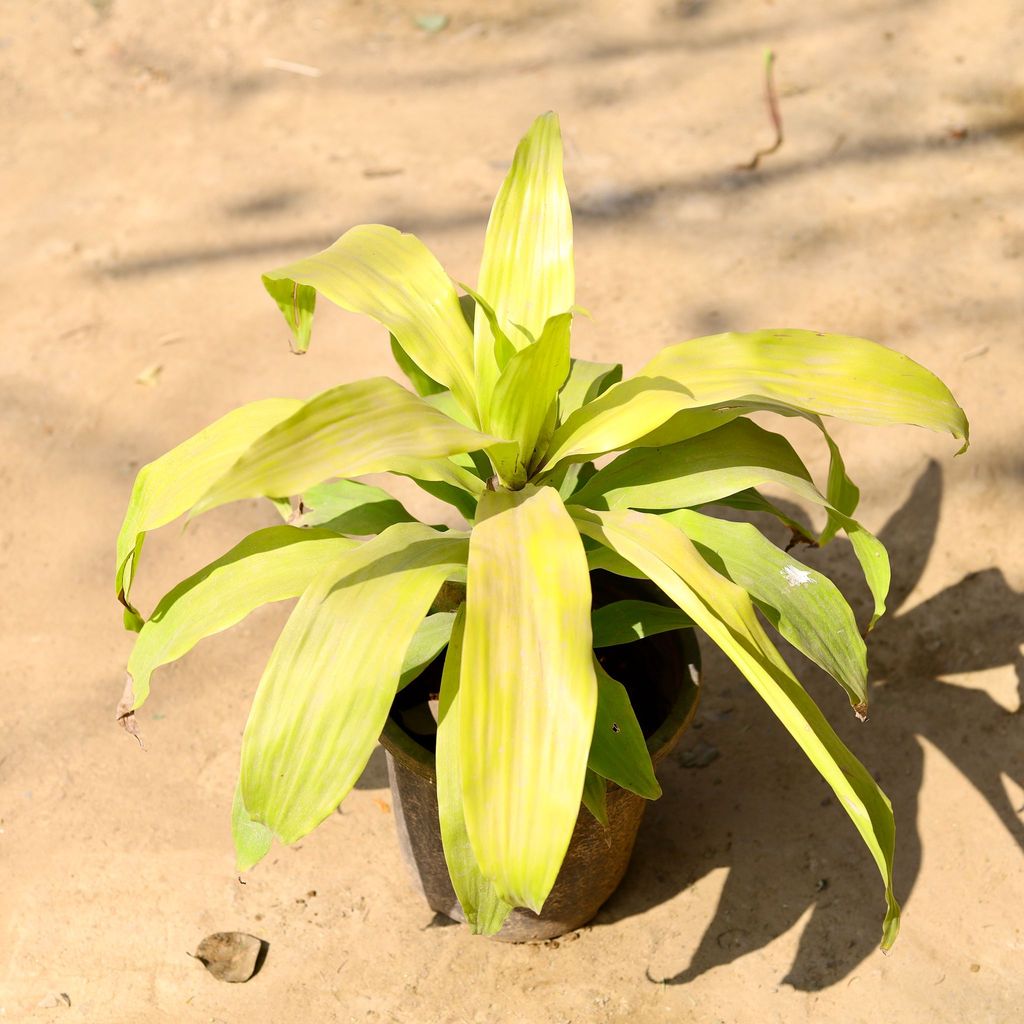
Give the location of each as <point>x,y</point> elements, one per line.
<point>154,163</point>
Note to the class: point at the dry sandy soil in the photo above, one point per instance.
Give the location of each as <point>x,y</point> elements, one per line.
<point>155,160</point>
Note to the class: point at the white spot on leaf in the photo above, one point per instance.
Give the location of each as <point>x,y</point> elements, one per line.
<point>797,577</point>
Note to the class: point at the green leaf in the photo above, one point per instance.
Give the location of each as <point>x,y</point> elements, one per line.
<point>586,381</point>
<point>725,613</point>
<point>827,374</point>
<point>805,606</point>
<point>698,471</point>
<point>595,796</point>
<point>423,384</point>
<point>485,910</point>
<point>526,273</point>
<point>706,469</point>
<point>350,507</point>
<point>393,278</point>
<point>326,691</point>
<point>427,643</point>
<point>528,690</point>
<point>252,840</point>
<point>618,750</point>
<point>752,500</point>
<point>451,494</point>
<point>623,622</point>
<point>270,565</point>
<point>370,426</point>
<point>627,413</point>
<point>524,396</point>
<point>170,485</point>
<point>842,493</point>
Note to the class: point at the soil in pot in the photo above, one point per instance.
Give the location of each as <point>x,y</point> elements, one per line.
<point>661,675</point>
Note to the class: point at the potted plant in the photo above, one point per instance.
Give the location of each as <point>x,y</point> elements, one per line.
<point>505,426</point>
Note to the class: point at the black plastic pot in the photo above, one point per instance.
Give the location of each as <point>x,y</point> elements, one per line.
<point>662,675</point>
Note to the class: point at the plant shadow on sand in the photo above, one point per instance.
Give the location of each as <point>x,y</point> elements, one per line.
<point>761,811</point>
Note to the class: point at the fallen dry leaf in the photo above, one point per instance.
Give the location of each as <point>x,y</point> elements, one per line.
<point>230,956</point>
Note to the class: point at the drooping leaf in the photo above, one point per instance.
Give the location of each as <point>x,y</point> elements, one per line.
<point>485,910</point>
<point>270,565</point>
<point>526,273</point>
<point>827,374</point>
<point>371,426</point>
<point>805,606</point>
<point>427,643</point>
<point>595,796</point>
<point>618,750</point>
<point>842,493</point>
<point>725,613</point>
<point>525,393</point>
<point>528,690</point>
<point>623,622</point>
<point>733,458</point>
<point>751,500</point>
<point>393,278</point>
<point>350,507</point>
<point>332,676</point>
<point>171,484</point>
<point>703,469</point>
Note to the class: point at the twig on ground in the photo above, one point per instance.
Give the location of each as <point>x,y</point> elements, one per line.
<point>772,98</point>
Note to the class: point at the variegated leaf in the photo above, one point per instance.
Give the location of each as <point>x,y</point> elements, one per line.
<point>725,613</point>
<point>170,485</point>
<point>269,565</point>
<point>528,690</point>
<point>370,426</point>
<point>804,605</point>
<point>485,910</point>
<point>526,273</point>
<point>393,278</point>
<point>332,676</point>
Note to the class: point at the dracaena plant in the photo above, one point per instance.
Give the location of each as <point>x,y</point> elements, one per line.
<point>504,425</point>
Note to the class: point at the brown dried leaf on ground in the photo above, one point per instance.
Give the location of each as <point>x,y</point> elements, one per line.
<point>230,956</point>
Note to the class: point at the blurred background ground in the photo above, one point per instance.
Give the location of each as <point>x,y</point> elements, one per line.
<point>157,157</point>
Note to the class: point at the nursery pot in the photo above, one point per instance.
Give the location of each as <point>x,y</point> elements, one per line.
<point>661,674</point>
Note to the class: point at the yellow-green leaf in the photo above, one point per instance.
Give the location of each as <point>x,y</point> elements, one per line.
<point>326,691</point>
<point>393,278</point>
<point>828,374</point>
<point>170,485</point>
<point>804,605</point>
<point>733,458</point>
<point>485,910</point>
<point>269,565</point>
<point>725,613</point>
<point>627,413</point>
<point>526,273</point>
<point>371,426</point>
<point>351,507</point>
<point>694,472</point>
<point>524,396</point>
<point>528,690</point>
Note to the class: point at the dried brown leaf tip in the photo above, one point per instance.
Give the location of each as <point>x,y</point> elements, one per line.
<point>125,714</point>
<point>861,711</point>
<point>232,956</point>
